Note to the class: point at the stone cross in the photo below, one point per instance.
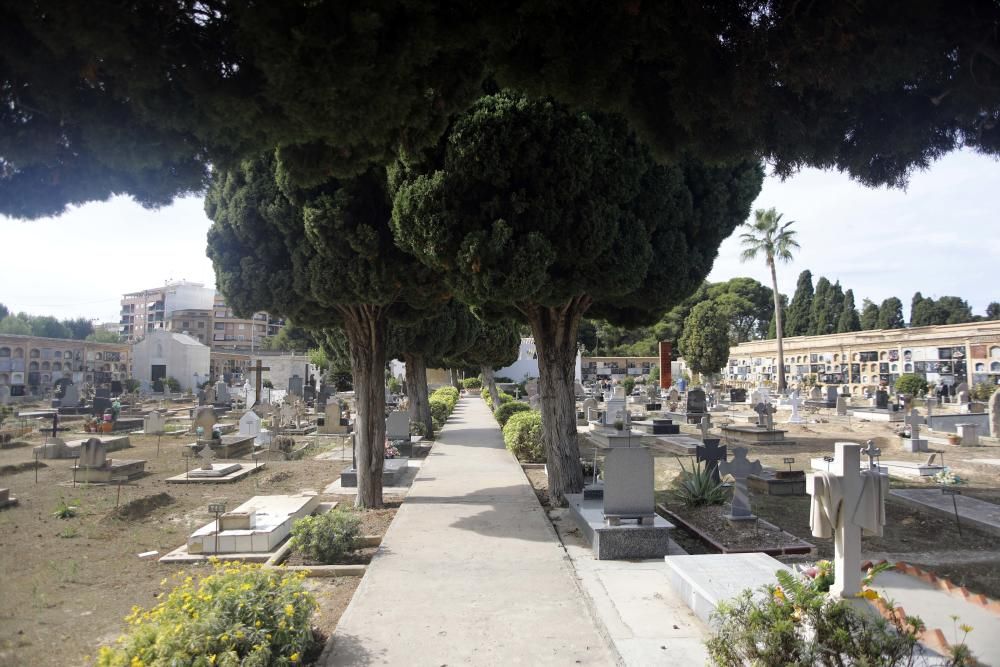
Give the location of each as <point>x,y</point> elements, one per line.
<point>259,370</point>
<point>705,424</point>
<point>206,455</point>
<point>795,402</point>
<point>914,420</point>
<point>839,510</point>
<point>740,468</point>
<point>872,452</point>
<point>711,454</point>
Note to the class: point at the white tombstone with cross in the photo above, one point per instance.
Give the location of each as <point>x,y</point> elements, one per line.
<point>847,500</point>
<point>914,443</point>
<point>795,402</point>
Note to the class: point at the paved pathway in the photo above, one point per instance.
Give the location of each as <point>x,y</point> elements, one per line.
<point>470,571</point>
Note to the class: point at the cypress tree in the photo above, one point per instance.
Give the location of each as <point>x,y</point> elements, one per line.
<point>869,315</point>
<point>800,310</point>
<point>848,320</point>
<point>890,314</point>
<point>820,317</point>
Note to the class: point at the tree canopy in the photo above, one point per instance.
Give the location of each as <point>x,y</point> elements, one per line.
<point>322,257</point>
<point>800,309</point>
<point>524,205</point>
<point>705,343</point>
<point>107,97</point>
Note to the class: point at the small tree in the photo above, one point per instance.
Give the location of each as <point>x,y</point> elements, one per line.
<point>911,384</point>
<point>705,343</point>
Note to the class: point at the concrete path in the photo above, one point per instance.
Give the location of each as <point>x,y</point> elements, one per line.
<point>470,571</point>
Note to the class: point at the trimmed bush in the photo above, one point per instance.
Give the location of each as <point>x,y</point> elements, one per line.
<point>912,384</point>
<point>504,398</point>
<point>504,412</point>
<point>523,436</point>
<point>239,615</point>
<point>472,383</point>
<point>447,394</point>
<point>328,537</point>
<point>439,411</point>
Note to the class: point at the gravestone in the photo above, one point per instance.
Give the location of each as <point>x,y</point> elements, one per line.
<point>397,426</point>
<point>672,395</point>
<point>696,402</point>
<point>70,397</point>
<point>845,501</point>
<point>102,392</point>
<point>4,394</point>
<point>206,458</point>
<point>914,443</point>
<point>831,395</point>
<point>842,406</point>
<point>705,425</point>
<point>589,408</point>
<point>100,405</point>
<point>881,399</point>
<point>796,403</point>
<point>250,424</point>
<point>54,448</point>
<point>765,416</point>
<point>614,408</point>
<point>332,419</point>
<point>628,486</point>
<point>205,418</point>
<point>711,454</point>
<point>154,423</point>
<point>93,454</point>
<point>295,384</point>
<point>222,393</point>
<point>737,395</point>
<point>762,395</point>
<point>815,394</point>
<point>969,433</point>
<point>740,468</point>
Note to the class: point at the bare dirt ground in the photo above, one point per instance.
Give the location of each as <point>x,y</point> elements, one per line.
<point>928,539</point>
<point>66,584</point>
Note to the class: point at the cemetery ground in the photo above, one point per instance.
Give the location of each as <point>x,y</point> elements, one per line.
<point>965,555</point>
<point>68,583</point>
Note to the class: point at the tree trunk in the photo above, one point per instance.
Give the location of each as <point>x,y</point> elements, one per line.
<point>489,381</point>
<point>455,382</point>
<point>420,405</point>
<point>777,326</point>
<point>555,331</point>
<point>365,327</point>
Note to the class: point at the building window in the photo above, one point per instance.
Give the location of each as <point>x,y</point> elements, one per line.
<point>4,351</point>
<point>34,354</point>
<point>995,367</point>
<point>219,326</point>
<point>201,325</point>
<point>980,368</point>
<point>185,325</point>
<point>995,352</point>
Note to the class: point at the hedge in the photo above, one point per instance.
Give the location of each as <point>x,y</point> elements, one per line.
<point>504,398</point>
<point>523,436</point>
<point>442,402</point>
<point>504,412</point>
<point>472,383</point>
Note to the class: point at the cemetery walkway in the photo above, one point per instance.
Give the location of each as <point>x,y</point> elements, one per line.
<point>470,571</point>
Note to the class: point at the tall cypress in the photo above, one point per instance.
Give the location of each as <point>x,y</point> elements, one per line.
<point>848,320</point>
<point>820,317</point>
<point>869,315</point>
<point>799,311</point>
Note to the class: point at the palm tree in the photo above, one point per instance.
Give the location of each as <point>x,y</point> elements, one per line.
<point>774,240</point>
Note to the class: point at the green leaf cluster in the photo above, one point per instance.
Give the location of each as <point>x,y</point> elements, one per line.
<point>326,538</point>
<point>504,411</point>
<point>522,435</point>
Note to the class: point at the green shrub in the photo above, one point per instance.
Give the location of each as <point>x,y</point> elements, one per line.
<point>328,537</point>
<point>66,510</point>
<point>173,385</point>
<point>394,385</point>
<point>628,384</point>
<point>238,616</point>
<point>284,443</point>
<point>447,394</point>
<point>504,412</point>
<point>523,436</point>
<point>982,391</point>
<point>472,383</point>
<point>504,398</point>
<point>795,623</point>
<point>439,411</point>
<point>695,487</point>
<point>911,384</point>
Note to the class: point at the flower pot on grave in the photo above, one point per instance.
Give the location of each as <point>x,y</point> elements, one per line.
<point>106,427</point>
<point>954,439</point>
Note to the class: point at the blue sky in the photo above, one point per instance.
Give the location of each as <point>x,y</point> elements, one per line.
<point>939,236</point>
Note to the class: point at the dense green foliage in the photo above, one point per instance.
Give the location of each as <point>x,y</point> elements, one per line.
<point>849,320</point>
<point>519,209</point>
<point>911,384</point>
<point>795,623</point>
<point>236,616</point>
<point>504,398</point>
<point>705,343</point>
<point>945,310</point>
<point>869,315</point>
<point>472,383</point>
<point>800,308</point>
<point>890,314</point>
<point>442,403</point>
<point>326,538</point>
<point>46,326</point>
<point>107,97</point>
<point>504,412</point>
<point>522,435</point>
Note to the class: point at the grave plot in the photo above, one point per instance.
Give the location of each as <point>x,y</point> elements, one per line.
<point>252,531</point>
<point>94,467</point>
<point>215,473</point>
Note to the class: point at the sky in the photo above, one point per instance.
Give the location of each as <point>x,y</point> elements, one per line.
<point>939,237</point>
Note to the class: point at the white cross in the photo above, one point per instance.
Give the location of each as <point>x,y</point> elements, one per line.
<point>706,423</point>
<point>914,420</point>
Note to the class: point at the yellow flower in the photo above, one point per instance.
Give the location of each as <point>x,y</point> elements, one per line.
<point>289,610</point>
<point>294,657</point>
<point>965,628</point>
<point>779,594</point>
<point>257,624</point>
<point>136,662</point>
